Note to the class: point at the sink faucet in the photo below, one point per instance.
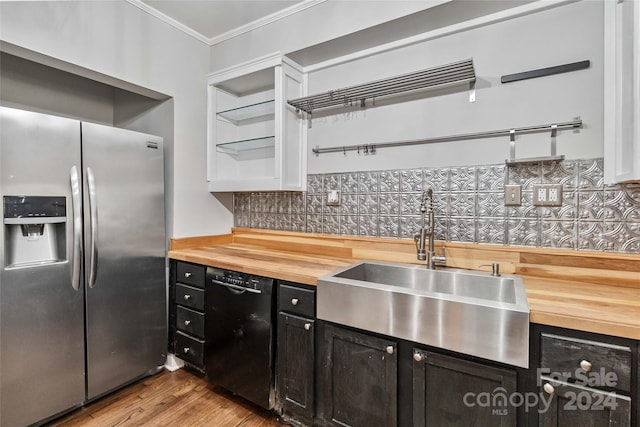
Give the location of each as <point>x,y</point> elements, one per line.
<point>428,254</point>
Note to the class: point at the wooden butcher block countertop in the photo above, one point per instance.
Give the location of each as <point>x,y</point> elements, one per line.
<point>588,291</point>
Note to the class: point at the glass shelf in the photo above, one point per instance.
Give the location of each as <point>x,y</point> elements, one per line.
<point>236,147</point>
<point>249,112</point>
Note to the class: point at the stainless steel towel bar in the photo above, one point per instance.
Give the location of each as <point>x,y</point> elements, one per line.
<point>371,148</point>
<point>433,78</point>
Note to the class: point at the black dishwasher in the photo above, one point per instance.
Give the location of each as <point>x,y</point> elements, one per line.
<point>240,336</point>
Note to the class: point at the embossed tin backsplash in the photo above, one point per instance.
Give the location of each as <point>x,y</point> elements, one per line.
<point>469,206</point>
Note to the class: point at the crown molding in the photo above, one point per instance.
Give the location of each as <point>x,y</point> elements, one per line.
<point>266,20</point>
<point>248,67</point>
<point>243,29</point>
<point>169,20</point>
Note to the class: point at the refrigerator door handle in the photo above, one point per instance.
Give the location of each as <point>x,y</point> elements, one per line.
<point>93,220</point>
<point>76,202</point>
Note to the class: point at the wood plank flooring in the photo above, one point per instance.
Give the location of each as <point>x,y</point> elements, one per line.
<point>177,398</point>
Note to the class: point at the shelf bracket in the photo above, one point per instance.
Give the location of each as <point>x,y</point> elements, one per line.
<point>512,144</point>
<point>554,132</point>
<point>553,157</point>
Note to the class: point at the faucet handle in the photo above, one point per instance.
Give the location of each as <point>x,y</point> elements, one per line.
<point>420,238</point>
<point>441,259</point>
<point>495,268</point>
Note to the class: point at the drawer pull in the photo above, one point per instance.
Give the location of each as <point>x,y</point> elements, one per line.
<point>548,388</point>
<point>585,365</point>
<point>187,297</point>
<point>294,301</point>
<point>307,326</point>
<point>390,349</point>
<point>187,322</point>
<point>186,350</point>
<point>417,357</point>
<point>187,274</point>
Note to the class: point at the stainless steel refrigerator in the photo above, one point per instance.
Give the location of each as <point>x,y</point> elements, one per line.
<point>82,282</point>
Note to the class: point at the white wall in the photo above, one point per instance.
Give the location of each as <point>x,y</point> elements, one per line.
<point>325,21</point>
<point>543,39</point>
<point>48,90</point>
<point>120,40</point>
<point>554,35</point>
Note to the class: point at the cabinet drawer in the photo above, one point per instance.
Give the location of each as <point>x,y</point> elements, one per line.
<point>590,363</point>
<point>190,274</point>
<point>569,405</point>
<point>190,321</point>
<point>190,349</point>
<point>294,299</point>
<point>190,297</point>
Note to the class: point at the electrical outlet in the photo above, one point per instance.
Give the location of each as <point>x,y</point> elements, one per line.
<point>539,195</point>
<point>512,195</point>
<point>333,198</point>
<point>549,195</point>
<point>554,196</point>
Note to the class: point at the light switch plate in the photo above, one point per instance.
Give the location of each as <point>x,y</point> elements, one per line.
<point>512,195</point>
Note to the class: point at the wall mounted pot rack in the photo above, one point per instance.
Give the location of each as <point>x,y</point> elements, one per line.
<point>553,128</point>
<point>457,73</point>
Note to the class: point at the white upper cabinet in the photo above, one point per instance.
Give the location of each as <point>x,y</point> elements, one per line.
<point>622,91</point>
<point>256,141</point>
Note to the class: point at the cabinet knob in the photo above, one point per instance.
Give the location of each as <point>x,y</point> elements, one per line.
<point>548,388</point>
<point>187,274</point>
<point>307,326</point>
<point>187,297</point>
<point>585,365</point>
<point>294,301</point>
<point>186,350</point>
<point>187,322</point>
<point>390,349</point>
<point>417,357</point>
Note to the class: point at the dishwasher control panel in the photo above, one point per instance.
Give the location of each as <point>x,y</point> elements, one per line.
<point>236,278</point>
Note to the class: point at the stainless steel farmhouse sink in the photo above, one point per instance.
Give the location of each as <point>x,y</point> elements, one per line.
<point>469,312</point>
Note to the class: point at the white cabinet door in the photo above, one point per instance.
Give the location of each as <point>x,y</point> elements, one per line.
<point>622,91</point>
<point>290,129</point>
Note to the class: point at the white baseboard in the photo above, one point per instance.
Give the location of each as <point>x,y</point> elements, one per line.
<point>173,363</point>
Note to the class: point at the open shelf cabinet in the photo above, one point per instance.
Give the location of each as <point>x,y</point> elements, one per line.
<point>256,142</point>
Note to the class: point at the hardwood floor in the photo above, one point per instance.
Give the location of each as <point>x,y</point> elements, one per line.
<point>177,398</point>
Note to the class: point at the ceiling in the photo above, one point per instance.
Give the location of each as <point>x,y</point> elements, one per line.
<point>216,20</point>
<point>213,21</point>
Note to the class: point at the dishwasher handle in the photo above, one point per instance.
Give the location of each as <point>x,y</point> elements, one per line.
<point>238,290</point>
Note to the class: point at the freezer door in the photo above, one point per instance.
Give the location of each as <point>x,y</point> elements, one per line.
<point>125,256</point>
<point>41,313</point>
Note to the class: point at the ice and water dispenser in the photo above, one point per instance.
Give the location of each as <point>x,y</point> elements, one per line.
<point>34,230</point>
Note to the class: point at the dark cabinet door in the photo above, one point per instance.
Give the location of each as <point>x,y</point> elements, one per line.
<point>357,377</point>
<point>448,391</point>
<point>295,362</point>
<point>569,405</point>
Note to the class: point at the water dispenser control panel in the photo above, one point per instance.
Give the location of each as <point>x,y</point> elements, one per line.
<point>34,207</point>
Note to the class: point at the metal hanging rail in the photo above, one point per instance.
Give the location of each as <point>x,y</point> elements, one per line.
<point>553,128</point>
<point>433,78</point>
